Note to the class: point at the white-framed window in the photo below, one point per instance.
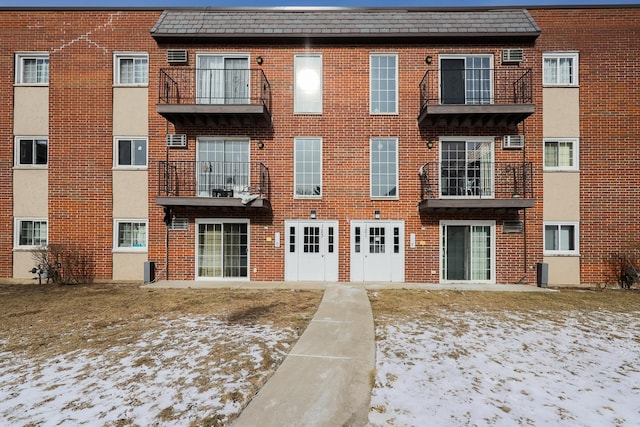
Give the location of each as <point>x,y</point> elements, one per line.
<point>308,167</point>
<point>32,68</point>
<point>130,235</point>
<point>466,79</point>
<point>131,69</point>
<point>561,154</point>
<point>307,70</point>
<point>31,151</point>
<point>223,78</point>
<point>467,167</point>
<point>30,233</point>
<point>130,152</point>
<point>222,249</point>
<point>560,69</point>
<point>384,168</point>
<point>561,238</point>
<point>383,83</point>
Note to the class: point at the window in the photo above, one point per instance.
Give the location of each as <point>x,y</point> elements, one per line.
<point>466,168</point>
<point>31,151</point>
<point>384,167</point>
<point>308,167</point>
<point>30,233</point>
<point>130,235</point>
<point>561,154</point>
<point>308,84</point>
<point>384,84</point>
<point>561,238</point>
<point>131,69</point>
<point>222,79</point>
<point>560,69</point>
<point>32,68</point>
<point>223,167</point>
<point>131,152</point>
<point>466,79</point>
<point>222,249</point>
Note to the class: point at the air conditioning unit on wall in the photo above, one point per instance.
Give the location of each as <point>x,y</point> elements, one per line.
<point>513,141</point>
<point>512,55</point>
<point>175,56</point>
<point>176,140</point>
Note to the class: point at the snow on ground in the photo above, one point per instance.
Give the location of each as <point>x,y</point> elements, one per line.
<point>509,369</point>
<point>176,375</point>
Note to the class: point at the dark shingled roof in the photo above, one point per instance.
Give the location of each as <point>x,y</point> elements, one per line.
<point>343,23</point>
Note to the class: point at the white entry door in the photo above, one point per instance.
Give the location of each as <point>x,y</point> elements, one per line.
<point>377,251</point>
<point>311,251</point>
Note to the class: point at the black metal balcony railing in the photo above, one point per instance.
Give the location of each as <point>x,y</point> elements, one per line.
<point>479,86</point>
<point>476,180</point>
<point>213,179</point>
<point>184,85</point>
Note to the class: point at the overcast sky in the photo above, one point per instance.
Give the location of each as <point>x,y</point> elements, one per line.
<point>305,3</point>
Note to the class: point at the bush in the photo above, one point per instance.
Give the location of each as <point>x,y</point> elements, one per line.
<point>65,264</point>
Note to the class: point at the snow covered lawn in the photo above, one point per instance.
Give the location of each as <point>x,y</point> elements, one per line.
<point>190,371</point>
<point>511,368</point>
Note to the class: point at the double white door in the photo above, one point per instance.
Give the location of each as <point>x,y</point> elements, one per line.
<point>377,251</point>
<point>311,251</point>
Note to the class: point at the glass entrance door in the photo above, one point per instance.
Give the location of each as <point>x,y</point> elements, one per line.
<point>223,250</point>
<point>467,252</point>
<point>222,80</point>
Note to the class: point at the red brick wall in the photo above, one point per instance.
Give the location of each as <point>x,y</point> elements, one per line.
<point>607,41</point>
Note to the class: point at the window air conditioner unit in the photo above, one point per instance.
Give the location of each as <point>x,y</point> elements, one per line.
<point>175,56</point>
<point>513,141</point>
<point>179,224</point>
<point>512,55</point>
<point>176,140</point>
<point>512,226</point>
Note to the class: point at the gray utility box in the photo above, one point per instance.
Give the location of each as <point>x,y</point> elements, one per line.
<point>542,274</point>
<point>149,271</point>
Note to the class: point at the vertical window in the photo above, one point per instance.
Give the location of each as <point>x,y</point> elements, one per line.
<point>131,152</point>
<point>384,84</point>
<point>30,233</point>
<point>131,69</point>
<point>560,69</point>
<point>32,68</point>
<point>130,235</point>
<point>561,154</point>
<point>357,240</point>
<point>466,79</point>
<point>561,238</point>
<point>330,240</point>
<point>308,84</point>
<point>31,151</point>
<point>384,167</point>
<point>292,239</point>
<point>308,167</point>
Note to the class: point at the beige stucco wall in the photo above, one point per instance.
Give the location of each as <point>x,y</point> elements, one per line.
<point>563,270</point>
<point>561,196</point>
<point>130,194</point>
<point>561,112</point>
<point>130,111</point>
<point>30,193</point>
<point>22,264</point>
<point>31,111</point>
<point>128,266</point>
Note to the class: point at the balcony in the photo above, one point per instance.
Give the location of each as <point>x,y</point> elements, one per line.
<point>214,97</point>
<point>213,185</point>
<point>458,186</point>
<point>481,97</point>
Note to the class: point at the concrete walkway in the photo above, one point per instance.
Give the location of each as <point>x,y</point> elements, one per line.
<point>326,379</point>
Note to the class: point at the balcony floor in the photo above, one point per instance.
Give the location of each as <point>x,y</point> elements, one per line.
<point>486,115</point>
<point>512,204</point>
<point>215,114</point>
<point>211,202</point>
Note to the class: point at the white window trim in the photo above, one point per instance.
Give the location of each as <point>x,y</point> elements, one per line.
<point>117,56</point>
<point>295,107</point>
<point>223,221</point>
<point>19,56</point>
<point>16,232</point>
<point>136,249</point>
<point>116,139</point>
<point>570,54</point>
<point>464,56</point>
<point>576,229</point>
<point>295,168</point>
<point>576,155</point>
<point>371,141</point>
<point>16,152</point>
<point>386,113</point>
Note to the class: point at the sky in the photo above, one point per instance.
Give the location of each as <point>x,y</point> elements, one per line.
<point>302,3</point>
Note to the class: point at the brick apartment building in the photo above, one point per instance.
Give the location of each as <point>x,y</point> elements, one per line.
<point>419,145</point>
